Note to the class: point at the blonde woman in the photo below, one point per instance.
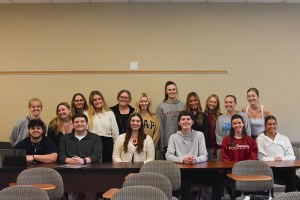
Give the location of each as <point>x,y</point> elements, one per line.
<point>102,122</point>
<point>20,130</point>
<point>213,111</point>
<point>151,122</point>
<point>62,123</point>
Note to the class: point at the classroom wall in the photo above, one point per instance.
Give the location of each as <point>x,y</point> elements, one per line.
<point>258,43</point>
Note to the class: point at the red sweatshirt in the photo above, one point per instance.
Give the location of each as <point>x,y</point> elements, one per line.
<point>243,149</point>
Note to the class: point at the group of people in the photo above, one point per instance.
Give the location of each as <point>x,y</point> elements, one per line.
<point>91,131</point>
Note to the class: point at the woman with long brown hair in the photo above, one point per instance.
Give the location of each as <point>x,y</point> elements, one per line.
<point>134,145</point>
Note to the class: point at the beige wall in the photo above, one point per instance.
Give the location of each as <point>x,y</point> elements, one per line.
<point>258,43</point>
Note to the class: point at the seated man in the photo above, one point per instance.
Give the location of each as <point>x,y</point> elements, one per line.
<point>38,147</point>
<point>188,146</point>
<point>81,146</point>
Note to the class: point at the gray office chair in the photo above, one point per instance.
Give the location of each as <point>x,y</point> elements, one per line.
<point>151,179</point>
<point>23,192</point>
<point>288,196</point>
<point>252,167</point>
<point>43,175</point>
<point>140,192</point>
<point>167,168</point>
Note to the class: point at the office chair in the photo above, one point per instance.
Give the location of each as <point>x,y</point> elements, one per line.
<point>151,179</point>
<point>167,168</point>
<point>288,196</point>
<point>140,192</point>
<point>252,168</point>
<point>43,175</point>
<point>23,192</point>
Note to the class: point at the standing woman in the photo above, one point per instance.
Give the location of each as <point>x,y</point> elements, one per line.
<point>78,103</point>
<point>150,119</point>
<point>134,145</point>
<point>256,112</point>
<point>62,123</point>
<point>122,110</point>
<point>213,111</point>
<point>20,130</point>
<point>223,125</point>
<point>168,112</point>
<point>193,105</point>
<point>103,123</point>
<point>238,145</point>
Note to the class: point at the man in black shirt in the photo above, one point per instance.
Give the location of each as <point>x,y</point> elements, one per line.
<point>38,147</point>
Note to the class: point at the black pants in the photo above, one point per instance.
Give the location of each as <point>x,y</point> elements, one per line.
<point>209,178</point>
<point>107,148</point>
<point>284,176</point>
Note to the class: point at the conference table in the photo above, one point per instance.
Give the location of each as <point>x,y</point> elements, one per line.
<point>102,176</point>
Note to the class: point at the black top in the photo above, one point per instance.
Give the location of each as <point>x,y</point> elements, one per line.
<point>89,146</point>
<point>45,146</point>
<point>122,119</point>
<point>201,127</point>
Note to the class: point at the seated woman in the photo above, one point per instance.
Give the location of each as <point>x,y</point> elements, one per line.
<point>134,145</point>
<point>238,145</point>
<point>272,146</point>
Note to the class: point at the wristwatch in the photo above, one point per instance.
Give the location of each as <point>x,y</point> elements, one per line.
<point>84,161</point>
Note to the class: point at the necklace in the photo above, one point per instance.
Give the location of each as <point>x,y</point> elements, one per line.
<point>35,146</point>
<point>134,140</point>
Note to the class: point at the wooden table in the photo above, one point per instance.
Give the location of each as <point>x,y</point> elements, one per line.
<point>103,176</point>
<point>94,178</point>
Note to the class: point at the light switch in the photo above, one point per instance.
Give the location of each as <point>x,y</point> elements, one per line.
<point>134,65</point>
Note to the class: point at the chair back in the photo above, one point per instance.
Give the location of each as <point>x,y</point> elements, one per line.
<point>288,196</point>
<point>151,179</point>
<point>23,192</point>
<point>43,175</point>
<point>5,145</point>
<point>140,192</point>
<point>167,168</point>
<point>253,167</point>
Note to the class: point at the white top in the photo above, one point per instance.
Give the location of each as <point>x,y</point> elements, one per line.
<point>269,149</point>
<point>119,155</point>
<point>104,124</point>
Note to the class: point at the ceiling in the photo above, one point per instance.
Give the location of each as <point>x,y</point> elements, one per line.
<point>146,1</point>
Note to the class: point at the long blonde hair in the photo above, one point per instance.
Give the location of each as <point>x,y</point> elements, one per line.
<point>91,110</point>
<point>56,123</point>
<point>137,104</point>
<point>217,110</point>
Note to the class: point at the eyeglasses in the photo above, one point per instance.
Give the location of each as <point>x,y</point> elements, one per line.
<point>122,97</point>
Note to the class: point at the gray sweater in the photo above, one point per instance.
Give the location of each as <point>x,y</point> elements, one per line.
<point>20,131</point>
<point>223,126</point>
<point>180,146</point>
<point>168,115</point>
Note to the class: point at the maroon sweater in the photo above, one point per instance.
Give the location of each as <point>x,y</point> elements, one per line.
<point>243,149</point>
